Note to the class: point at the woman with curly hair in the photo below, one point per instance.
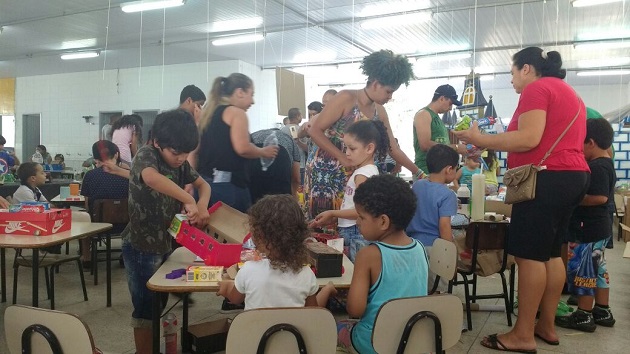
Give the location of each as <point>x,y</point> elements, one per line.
<point>281,278</point>
<point>325,176</point>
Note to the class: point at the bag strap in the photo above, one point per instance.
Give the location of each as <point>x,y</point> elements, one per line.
<point>561,135</point>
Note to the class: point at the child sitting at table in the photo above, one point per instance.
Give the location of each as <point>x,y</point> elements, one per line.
<point>392,266</point>
<point>60,160</point>
<point>589,229</point>
<point>281,278</point>
<point>31,175</point>
<point>363,140</point>
<point>464,174</point>
<point>156,194</point>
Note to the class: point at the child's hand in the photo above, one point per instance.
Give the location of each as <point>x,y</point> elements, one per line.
<point>203,216</point>
<point>192,212</point>
<point>110,167</point>
<point>225,287</point>
<point>323,219</point>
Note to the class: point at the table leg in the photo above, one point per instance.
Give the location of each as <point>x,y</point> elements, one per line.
<point>36,277</point>
<point>3,275</point>
<point>157,310</point>
<point>186,345</point>
<point>108,246</point>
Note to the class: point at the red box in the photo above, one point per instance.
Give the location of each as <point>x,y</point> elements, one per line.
<point>39,224</point>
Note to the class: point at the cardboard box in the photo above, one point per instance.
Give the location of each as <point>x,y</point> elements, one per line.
<point>204,273</point>
<point>209,337</point>
<point>38,224</point>
<point>327,261</point>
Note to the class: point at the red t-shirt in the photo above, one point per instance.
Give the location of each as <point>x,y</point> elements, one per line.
<point>561,103</point>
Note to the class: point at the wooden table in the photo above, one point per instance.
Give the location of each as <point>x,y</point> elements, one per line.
<point>78,230</point>
<point>182,258</point>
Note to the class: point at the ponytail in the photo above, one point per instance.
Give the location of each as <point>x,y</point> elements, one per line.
<point>546,64</point>
<point>220,92</point>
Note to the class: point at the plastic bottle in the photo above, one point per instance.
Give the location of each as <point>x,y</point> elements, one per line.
<point>463,194</point>
<point>272,140</point>
<point>37,157</point>
<point>170,333</point>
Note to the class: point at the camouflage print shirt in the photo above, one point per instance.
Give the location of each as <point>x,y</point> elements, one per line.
<point>151,212</point>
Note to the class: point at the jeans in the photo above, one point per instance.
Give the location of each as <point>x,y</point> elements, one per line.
<point>352,239</point>
<point>140,267</point>
<point>236,197</point>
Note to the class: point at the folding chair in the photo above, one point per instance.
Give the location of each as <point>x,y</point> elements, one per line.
<point>34,330</point>
<point>421,324</point>
<point>442,262</point>
<point>115,212</point>
<point>283,330</point>
<point>486,236</point>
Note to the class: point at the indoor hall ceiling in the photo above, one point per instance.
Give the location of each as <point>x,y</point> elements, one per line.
<point>302,32</point>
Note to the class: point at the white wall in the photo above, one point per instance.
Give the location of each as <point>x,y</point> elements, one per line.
<point>63,99</point>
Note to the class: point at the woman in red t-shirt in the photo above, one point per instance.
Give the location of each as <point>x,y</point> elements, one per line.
<point>547,106</point>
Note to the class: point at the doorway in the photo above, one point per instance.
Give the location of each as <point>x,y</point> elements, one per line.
<point>31,134</point>
<point>103,119</point>
<point>148,118</point>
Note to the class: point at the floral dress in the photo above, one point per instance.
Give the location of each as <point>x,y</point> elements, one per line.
<point>325,178</point>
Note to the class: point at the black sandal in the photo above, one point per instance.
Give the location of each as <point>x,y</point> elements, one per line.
<point>493,342</point>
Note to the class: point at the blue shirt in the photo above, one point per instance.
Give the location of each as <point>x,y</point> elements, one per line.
<point>435,200</point>
<point>404,273</point>
<point>4,155</point>
<point>466,177</point>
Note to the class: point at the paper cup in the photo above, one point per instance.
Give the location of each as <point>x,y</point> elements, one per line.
<point>64,192</point>
<point>74,188</point>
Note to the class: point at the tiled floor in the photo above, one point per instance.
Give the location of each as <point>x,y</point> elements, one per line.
<point>112,333</point>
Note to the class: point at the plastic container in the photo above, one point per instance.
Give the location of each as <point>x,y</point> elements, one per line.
<point>478,197</point>
<point>272,140</point>
<point>169,324</point>
<point>463,194</point>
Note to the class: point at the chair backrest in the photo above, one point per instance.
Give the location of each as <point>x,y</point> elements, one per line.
<point>492,236</point>
<point>113,211</point>
<point>443,258</point>
<point>71,332</point>
<point>619,203</point>
<point>81,216</point>
<point>394,316</point>
<point>315,325</point>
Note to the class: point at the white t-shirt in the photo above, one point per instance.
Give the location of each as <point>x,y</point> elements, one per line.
<point>367,171</point>
<point>265,287</point>
<point>25,194</point>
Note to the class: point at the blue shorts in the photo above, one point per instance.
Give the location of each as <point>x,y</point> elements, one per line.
<point>586,268</point>
<point>226,192</point>
<point>140,267</point>
<point>352,240</point>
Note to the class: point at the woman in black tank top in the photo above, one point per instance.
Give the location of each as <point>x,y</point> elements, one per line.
<point>225,144</point>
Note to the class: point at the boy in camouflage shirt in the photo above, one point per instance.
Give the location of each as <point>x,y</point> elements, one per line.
<point>156,194</point>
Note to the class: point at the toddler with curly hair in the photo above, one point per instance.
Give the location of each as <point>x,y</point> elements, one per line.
<point>281,278</point>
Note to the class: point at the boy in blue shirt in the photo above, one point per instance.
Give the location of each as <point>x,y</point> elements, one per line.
<point>589,230</point>
<point>436,202</point>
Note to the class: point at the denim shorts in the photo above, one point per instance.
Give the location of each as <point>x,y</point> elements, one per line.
<point>140,267</point>
<point>226,192</point>
<point>353,240</point>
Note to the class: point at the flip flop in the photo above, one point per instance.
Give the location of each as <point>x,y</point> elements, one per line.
<point>550,342</point>
<point>492,341</point>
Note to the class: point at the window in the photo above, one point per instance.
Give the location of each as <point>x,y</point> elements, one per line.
<point>8,130</point>
<point>469,96</point>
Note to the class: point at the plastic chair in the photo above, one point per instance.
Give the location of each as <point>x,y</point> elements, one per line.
<point>443,262</point>
<point>421,324</point>
<point>49,262</point>
<point>486,236</point>
<point>283,330</point>
<point>35,330</point>
<point>115,212</point>
<point>620,212</point>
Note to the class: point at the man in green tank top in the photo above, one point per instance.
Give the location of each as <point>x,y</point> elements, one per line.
<point>429,128</point>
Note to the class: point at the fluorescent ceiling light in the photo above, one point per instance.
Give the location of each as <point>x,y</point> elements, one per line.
<point>145,5</point>
<point>237,24</point>
<point>315,56</point>
<point>245,38</point>
<point>595,35</point>
<point>585,3</point>
<point>413,18</point>
<point>80,43</point>
<point>79,55</point>
<point>604,62</point>
<point>444,57</point>
<point>615,44</point>
<point>390,7</point>
<point>604,72</point>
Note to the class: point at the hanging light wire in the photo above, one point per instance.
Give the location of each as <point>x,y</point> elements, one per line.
<point>208,41</point>
<point>140,51</point>
<point>109,7</point>
<point>163,44</point>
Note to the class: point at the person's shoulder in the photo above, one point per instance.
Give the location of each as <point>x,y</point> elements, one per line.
<point>602,163</point>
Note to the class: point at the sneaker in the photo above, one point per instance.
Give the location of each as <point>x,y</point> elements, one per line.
<point>228,307</point>
<point>572,300</point>
<point>603,317</point>
<point>580,320</point>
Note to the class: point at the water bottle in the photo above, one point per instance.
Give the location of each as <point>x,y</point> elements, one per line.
<point>170,333</point>
<point>463,194</point>
<point>272,140</point>
<point>37,157</point>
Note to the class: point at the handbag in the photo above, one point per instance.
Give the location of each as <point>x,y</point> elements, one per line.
<point>520,182</point>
